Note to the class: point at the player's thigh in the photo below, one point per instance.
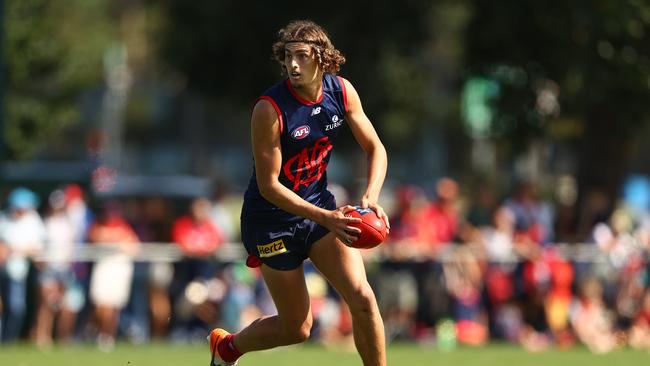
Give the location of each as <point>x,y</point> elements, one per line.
<point>341,265</point>
<point>289,293</point>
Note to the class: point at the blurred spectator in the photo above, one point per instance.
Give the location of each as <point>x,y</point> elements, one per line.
<point>199,238</point>
<point>533,217</point>
<point>616,239</point>
<point>622,272</point>
<point>239,308</point>
<point>533,228</point>
<point>410,233</point>
<point>536,280</point>
<point>197,235</point>
<point>639,336</point>
<point>397,294</point>
<point>442,214</point>
<point>153,226</point>
<point>440,217</point>
<point>60,298</point>
<point>498,240</point>
<point>533,225</point>
<point>464,280</point>
<point>78,212</point>
<point>631,287</point>
<point>134,317</point>
<point>643,234</point>
<point>397,298</point>
<point>591,321</point>
<point>23,234</point>
<point>558,298</point>
<point>112,273</point>
<point>82,217</point>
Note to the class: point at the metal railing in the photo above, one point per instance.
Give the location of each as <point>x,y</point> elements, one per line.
<point>234,251</point>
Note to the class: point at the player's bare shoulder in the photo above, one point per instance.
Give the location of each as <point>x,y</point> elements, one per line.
<point>264,113</point>
<point>353,100</point>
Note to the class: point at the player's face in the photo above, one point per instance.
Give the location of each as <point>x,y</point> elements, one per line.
<point>301,64</point>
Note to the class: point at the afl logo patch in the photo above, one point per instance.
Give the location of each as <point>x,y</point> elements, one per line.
<point>300,132</point>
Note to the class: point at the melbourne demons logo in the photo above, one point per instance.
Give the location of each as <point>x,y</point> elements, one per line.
<point>308,165</point>
<point>300,132</point>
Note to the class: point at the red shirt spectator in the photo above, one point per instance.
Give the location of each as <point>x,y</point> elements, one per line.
<point>443,221</point>
<point>196,233</point>
<point>442,215</point>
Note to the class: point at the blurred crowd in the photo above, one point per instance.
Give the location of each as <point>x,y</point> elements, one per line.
<point>457,269</point>
<point>488,268</point>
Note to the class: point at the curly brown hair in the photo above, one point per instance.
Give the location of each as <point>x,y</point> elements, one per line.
<point>329,58</point>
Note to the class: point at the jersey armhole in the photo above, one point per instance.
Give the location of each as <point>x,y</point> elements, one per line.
<point>345,93</point>
<point>275,106</point>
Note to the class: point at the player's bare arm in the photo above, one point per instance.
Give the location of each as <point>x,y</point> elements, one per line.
<point>367,138</point>
<point>265,127</point>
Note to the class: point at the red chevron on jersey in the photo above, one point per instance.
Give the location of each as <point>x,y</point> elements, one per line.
<point>308,165</point>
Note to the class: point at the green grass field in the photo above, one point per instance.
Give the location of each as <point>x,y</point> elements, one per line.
<point>311,355</point>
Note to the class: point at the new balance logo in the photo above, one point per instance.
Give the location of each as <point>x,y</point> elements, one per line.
<point>315,111</point>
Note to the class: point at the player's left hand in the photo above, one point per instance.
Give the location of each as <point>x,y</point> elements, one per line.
<point>368,203</point>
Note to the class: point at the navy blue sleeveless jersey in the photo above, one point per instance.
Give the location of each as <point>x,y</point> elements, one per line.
<point>308,131</point>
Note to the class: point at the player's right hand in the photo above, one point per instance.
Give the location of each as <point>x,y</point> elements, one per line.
<point>337,222</point>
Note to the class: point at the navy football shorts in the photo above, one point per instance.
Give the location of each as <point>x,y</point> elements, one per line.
<point>282,245</point>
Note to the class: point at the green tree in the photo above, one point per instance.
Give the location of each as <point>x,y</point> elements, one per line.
<point>53,50</point>
<point>595,57</point>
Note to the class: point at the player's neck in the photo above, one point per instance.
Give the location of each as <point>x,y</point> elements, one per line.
<point>311,91</point>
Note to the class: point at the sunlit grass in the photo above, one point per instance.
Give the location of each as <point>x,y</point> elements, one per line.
<point>312,355</point>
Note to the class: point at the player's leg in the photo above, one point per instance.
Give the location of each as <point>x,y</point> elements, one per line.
<point>291,325</point>
<point>344,269</point>
<point>294,320</point>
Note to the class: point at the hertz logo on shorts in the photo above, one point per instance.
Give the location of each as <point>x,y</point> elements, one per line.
<point>271,249</point>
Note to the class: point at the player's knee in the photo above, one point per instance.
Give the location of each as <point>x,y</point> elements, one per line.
<point>362,300</point>
<point>298,334</point>
<point>303,333</point>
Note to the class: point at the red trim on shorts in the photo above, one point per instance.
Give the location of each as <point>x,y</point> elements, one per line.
<point>253,262</point>
<point>301,99</point>
<point>345,93</point>
<point>275,106</point>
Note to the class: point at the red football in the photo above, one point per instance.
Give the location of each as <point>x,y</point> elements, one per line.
<point>373,229</point>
